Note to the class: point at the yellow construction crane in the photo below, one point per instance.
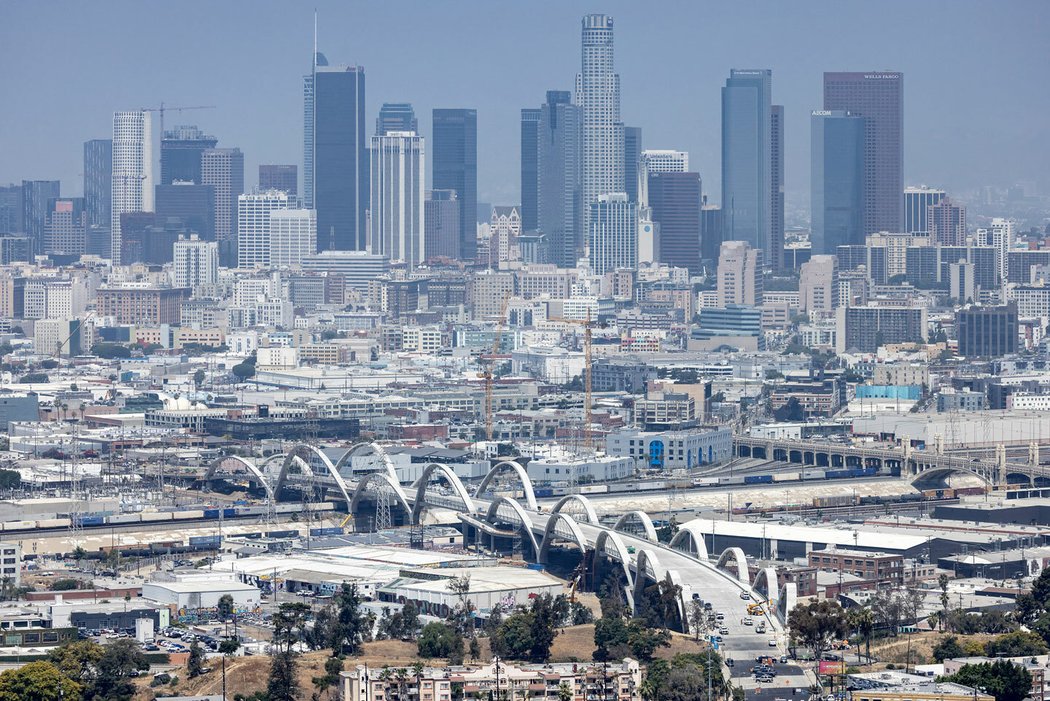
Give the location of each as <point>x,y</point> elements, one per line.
<point>586,324</point>
<point>162,109</point>
<point>488,373</point>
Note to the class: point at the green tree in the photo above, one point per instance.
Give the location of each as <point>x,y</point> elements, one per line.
<point>198,378</point>
<point>120,660</point>
<point>1019,643</point>
<point>243,370</point>
<point>37,681</point>
<point>229,646</point>
<point>611,637</point>
<point>195,665</point>
<point>438,640</point>
<point>110,350</point>
<point>65,584</point>
<point>947,648</point>
<point>349,628</point>
<point>10,479</point>
<point>324,683</point>
<point>1002,679</point>
<point>224,607</point>
<point>288,625</point>
<point>643,641</point>
<point>513,639</point>
<point>817,624</point>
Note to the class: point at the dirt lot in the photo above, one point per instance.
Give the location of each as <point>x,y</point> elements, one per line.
<point>896,650</point>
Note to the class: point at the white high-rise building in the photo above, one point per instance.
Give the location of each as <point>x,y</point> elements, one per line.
<point>598,97</point>
<point>195,263</point>
<point>739,274</point>
<point>817,284</point>
<point>223,169</point>
<point>1000,236</point>
<point>613,234</point>
<point>658,161</point>
<point>397,198</point>
<point>132,186</point>
<point>293,236</point>
<point>253,226</point>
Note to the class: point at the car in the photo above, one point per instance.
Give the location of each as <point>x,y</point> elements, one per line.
<point>707,606</point>
<point>772,642</point>
<point>745,596</point>
<point>760,628</point>
<point>151,647</point>
<point>720,616</point>
<point>730,662</point>
<point>724,630</point>
<point>764,680</point>
<point>748,621</point>
<point>783,659</point>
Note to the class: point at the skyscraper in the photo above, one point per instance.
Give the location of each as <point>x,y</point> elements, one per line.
<point>632,152</point>
<point>837,181</point>
<point>747,164</point>
<point>65,227</point>
<point>293,236</point>
<point>455,155</point>
<point>739,274</point>
<point>441,224</point>
<point>196,263</point>
<point>917,201</point>
<point>11,209</point>
<point>98,181</point>
<point>193,205</point>
<point>710,230</point>
<point>335,154</point>
<point>253,226</point>
<point>775,252</point>
<point>675,202</point>
<point>223,170</point>
<point>180,154</point>
<point>530,120</point>
<point>613,234</point>
<point>879,97</point>
<point>658,161</point>
<point>947,223</point>
<point>396,116</point>
<point>560,168</point>
<point>598,97</point>
<point>397,210</point>
<point>36,205</point>
<point>132,183</point>
<point>279,177</point>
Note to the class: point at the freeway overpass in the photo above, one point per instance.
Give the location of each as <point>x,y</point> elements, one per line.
<point>924,467</point>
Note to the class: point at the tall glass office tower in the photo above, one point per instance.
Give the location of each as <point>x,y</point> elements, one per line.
<point>837,181</point>
<point>396,116</point>
<point>879,98</point>
<point>98,180</point>
<point>747,164</point>
<point>632,154</point>
<point>455,151</point>
<point>559,164</point>
<point>598,97</point>
<point>180,154</point>
<point>335,154</point>
<point>530,119</point>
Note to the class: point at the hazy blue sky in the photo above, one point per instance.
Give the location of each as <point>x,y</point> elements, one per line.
<point>977,74</point>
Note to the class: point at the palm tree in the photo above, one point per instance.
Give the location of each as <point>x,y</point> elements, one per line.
<point>417,669</point>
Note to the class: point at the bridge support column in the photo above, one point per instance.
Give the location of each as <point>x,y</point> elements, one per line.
<point>1033,454</point>
<point>773,546</point>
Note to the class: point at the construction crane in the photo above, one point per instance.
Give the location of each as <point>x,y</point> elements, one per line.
<point>586,324</point>
<point>162,109</point>
<point>80,327</point>
<point>488,374</point>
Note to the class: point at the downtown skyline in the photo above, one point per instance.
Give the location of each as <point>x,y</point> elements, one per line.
<point>947,143</point>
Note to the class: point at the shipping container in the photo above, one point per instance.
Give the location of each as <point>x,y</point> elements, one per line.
<point>326,531</point>
<point>758,479</point>
<point>705,481</point>
<point>837,474</point>
<point>19,525</point>
<point>281,534</point>
<point>786,477</point>
<point>211,513</point>
<point>124,518</point>
<point>53,523</point>
<point>594,489</point>
<point>91,521</point>
<point>188,515</point>
<point>813,474</point>
<point>156,516</point>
